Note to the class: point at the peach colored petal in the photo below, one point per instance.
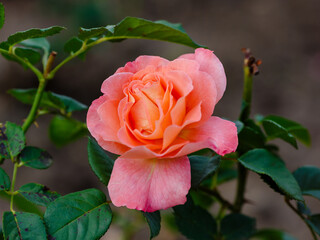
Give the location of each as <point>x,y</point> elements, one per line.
<point>211,64</point>
<point>113,85</point>
<point>142,62</point>
<point>218,134</point>
<point>181,82</point>
<point>150,184</point>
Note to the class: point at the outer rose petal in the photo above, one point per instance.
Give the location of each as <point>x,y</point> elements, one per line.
<point>150,184</point>
<point>218,134</point>
<point>142,62</point>
<point>211,64</point>
<point>113,85</point>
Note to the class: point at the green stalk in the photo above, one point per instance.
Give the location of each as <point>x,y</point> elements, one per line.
<point>14,175</point>
<point>245,112</point>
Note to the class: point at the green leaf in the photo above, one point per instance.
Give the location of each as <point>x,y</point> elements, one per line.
<point>39,43</point>
<point>272,234</point>
<point>29,54</point>
<point>314,222</point>
<point>5,182</point>
<point>236,226</point>
<point>12,140</point>
<point>139,28</point>
<point>202,167</point>
<point>26,226</point>
<point>64,130</point>
<point>87,33</point>
<point>239,126</point>
<point>33,33</point>
<point>1,233</point>
<point>287,130</point>
<point>2,16</point>
<point>308,178</point>
<point>250,137</point>
<point>263,162</point>
<point>226,175</point>
<point>49,100</point>
<point>154,222</point>
<point>35,158</point>
<point>99,161</point>
<point>38,194</point>
<point>194,222</point>
<point>79,215</point>
<point>73,45</point>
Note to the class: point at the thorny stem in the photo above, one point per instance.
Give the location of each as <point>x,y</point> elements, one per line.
<point>302,217</point>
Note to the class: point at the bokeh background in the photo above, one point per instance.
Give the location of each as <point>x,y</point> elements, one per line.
<point>284,34</point>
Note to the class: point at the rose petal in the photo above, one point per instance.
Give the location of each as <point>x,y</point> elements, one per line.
<point>150,184</point>
<point>218,134</point>
<point>142,62</point>
<point>113,85</point>
<point>210,64</point>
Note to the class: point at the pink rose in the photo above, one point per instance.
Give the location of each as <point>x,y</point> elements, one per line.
<point>153,112</point>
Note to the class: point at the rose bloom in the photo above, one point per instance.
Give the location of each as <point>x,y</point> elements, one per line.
<point>153,113</point>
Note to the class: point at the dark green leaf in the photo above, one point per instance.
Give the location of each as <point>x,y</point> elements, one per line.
<point>12,140</point>
<point>272,234</point>
<point>239,125</point>
<point>236,226</point>
<point>73,45</point>
<point>5,182</point>
<point>202,167</point>
<point>64,130</point>
<point>38,194</point>
<point>22,204</point>
<point>99,161</point>
<point>250,137</point>
<point>194,222</point>
<point>287,130</point>
<point>33,33</point>
<point>29,54</point>
<point>226,175</point>
<point>79,215</point>
<point>26,226</point>
<point>303,208</point>
<point>308,178</point>
<point>154,222</point>
<point>201,199</point>
<point>263,162</point>
<point>314,222</point>
<point>2,16</point>
<point>49,100</point>
<point>39,43</point>
<point>35,158</point>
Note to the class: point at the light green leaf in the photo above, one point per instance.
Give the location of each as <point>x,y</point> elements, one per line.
<point>35,158</point>
<point>272,234</point>
<point>38,194</point>
<point>287,130</point>
<point>49,100</point>
<point>29,54</point>
<point>5,182</point>
<point>194,222</point>
<point>26,226</point>
<point>73,45</point>
<point>39,43</point>
<point>33,33</point>
<point>154,222</point>
<point>236,226</point>
<point>2,16</point>
<point>308,178</point>
<point>202,167</point>
<point>63,130</point>
<point>12,140</point>
<point>99,161</point>
<point>81,215</point>
<point>263,162</point>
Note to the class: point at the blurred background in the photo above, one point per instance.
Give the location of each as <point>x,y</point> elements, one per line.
<point>284,34</point>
